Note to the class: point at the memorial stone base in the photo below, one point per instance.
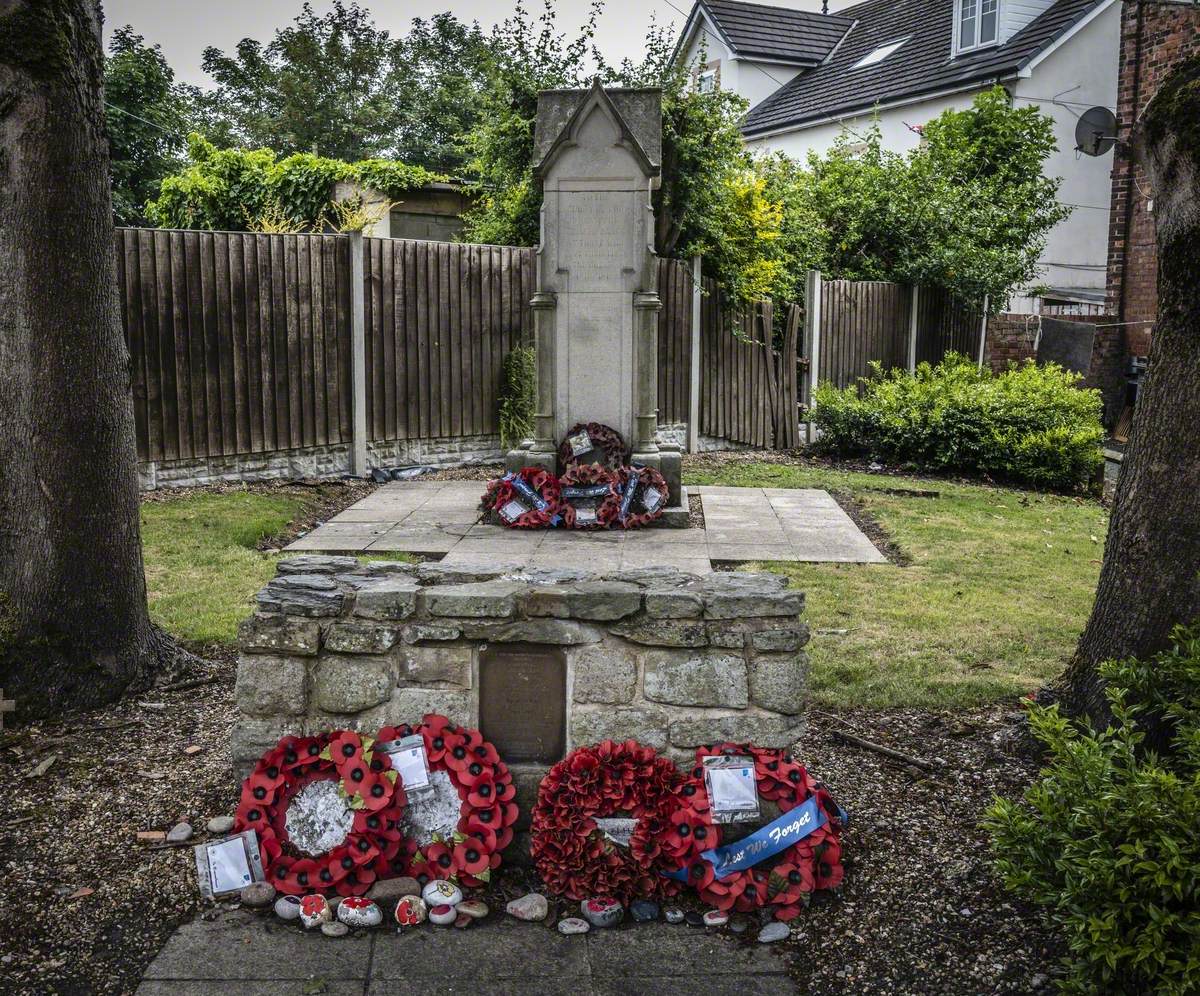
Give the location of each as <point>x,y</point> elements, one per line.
<point>540,662</point>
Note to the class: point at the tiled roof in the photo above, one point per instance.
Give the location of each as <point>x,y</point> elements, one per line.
<point>776,34</point>
<point>922,65</point>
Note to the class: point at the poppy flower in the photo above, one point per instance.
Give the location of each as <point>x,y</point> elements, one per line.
<point>469,857</point>
<point>345,747</point>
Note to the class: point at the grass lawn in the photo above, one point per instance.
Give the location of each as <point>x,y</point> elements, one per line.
<point>999,587</point>
<point>202,565</point>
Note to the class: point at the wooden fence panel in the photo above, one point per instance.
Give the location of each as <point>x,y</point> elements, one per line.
<point>861,322</point>
<point>674,340</point>
<point>943,324</point>
<point>440,319</point>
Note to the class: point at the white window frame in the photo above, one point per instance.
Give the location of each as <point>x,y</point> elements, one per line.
<point>977,25</point>
<point>706,81</point>
<point>880,52</point>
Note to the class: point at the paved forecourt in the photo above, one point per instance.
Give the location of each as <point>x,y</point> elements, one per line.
<point>442,518</point>
<point>240,954</point>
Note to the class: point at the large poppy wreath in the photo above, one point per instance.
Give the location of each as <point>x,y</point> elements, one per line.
<point>327,813</point>
<point>608,448</point>
<point>636,510</point>
<point>785,881</point>
<point>574,855</point>
<point>459,827</point>
<point>593,484</point>
<point>519,487</point>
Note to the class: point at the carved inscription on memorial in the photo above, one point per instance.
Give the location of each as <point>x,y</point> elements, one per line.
<point>596,238</point>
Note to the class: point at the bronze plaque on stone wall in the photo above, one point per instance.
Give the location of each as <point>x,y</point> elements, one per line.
<point>523,701</point>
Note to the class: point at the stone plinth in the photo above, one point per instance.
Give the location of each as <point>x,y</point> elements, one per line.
<point>673,660</point>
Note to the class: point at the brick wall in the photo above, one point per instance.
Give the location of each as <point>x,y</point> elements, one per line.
<point>1155,35</point>
<point>1014,338</point>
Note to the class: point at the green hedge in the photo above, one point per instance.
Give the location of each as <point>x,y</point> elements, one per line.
<point>1030,423</point>
<point>227,189</point>
<point>1108,838</point>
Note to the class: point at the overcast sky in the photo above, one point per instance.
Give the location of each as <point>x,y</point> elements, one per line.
<point>184,28</point>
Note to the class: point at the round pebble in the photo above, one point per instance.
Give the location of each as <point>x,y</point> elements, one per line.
<point>530,907</point>
<point>573,925</point>
<point>394,888</point>
<point>602,912</point>
<point>258,895</point>
<point>739,924</point>
<point>410,911</point>
<point>357,911</point>
<point>287,907</point>
<point>462,921</point>
<point>693,919</point>
<point>334,928</point>
<point>440,892</point>
<point>179,833</point>
<point>476,909</point>
<point>777,930</point>
<point>643,911</point>
<point>314,911</point>
<point>443,914</point>
<point>674,914</point>
<point>716,918</point>
<point>220,824</point>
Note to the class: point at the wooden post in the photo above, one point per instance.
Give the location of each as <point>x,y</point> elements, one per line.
<point>983,331</point>
<point>912,328</point>
<point>6,705</point>
<point>812,319</point>
<point>693,430</point>
<point>358,359</point>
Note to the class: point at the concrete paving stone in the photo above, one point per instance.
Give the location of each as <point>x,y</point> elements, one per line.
<point>667,537</point>
<point>341,537</point>
<point>501,949</point>
<point>674,985</point>
<point>719,536</point>
<point>240,946</point>
<point>750,551</point>
<point>258,987</point>
<point>666,951</point>
<point>515,986</point>
<point>356,514</point>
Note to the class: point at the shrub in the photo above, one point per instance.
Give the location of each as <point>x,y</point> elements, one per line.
<point>1030,423</point>
<point>518,395</point>
<point>1107,838</point>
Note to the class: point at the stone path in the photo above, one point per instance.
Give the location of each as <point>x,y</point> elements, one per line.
<point>240,954</point>
<point>442,518</point>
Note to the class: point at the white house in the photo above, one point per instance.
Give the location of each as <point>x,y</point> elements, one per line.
<point>809,75</point>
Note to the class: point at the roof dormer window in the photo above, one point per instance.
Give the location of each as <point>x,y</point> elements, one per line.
<point>978,23</point>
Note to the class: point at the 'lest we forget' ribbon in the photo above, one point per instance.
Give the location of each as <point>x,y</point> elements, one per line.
<point>776,836</point>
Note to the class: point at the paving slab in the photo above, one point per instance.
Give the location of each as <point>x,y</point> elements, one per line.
<point>242,954</point>
<point>442,519</point>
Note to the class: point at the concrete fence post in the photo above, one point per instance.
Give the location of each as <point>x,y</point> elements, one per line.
<point>812,322</point>
<point>914,305</point>
<point>983,331</point>
<point>693,429</point>
<point>358,359</point>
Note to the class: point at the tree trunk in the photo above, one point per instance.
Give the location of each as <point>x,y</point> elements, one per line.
<point>1150,580</point>
<point>74,626</point>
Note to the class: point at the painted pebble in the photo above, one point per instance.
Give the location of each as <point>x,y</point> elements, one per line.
<point>334,929</point>
<point>530,907</point>
<point>462,921</point>
<point>476,909</point>
<point>287,907</point>
<point>358,911</point>
<point>314,911</point>
<point>643,911</point>
<point>674,914</point>
<point>774,931</point>
<point>573,925</point>
<point>439,892</point>
<point>716,918</point>
<point>602,912</point>
<point>410,911</point>
<point>443,914</point>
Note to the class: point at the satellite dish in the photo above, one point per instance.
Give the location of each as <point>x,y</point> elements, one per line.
<point>1096,131</point>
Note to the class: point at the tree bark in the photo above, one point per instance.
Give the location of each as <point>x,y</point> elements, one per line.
<point>1150,579</point>
<point>74,625</point>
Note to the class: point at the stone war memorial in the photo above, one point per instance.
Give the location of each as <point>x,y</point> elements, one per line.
<point>404,729</point>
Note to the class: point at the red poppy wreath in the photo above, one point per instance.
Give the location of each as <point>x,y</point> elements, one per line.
<point>589,494</point>
<point>528,499</point>
<point>592,442</point>
<point>459,827</point>
<point>643,493</point>
<point>327,813</point>
<point>601,815</point>
<point>785,882</point>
